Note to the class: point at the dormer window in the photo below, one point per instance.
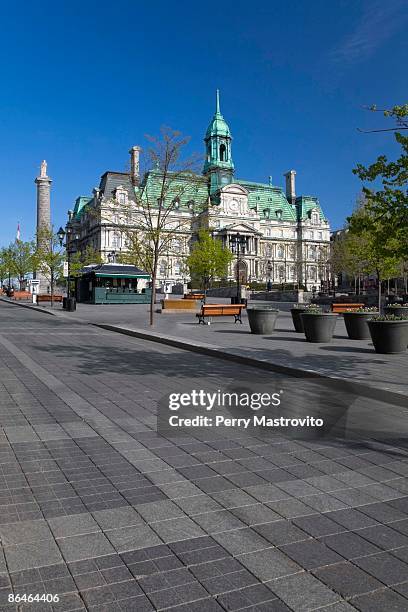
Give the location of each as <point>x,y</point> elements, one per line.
<point>176,203</point>
<point>121,196</point>
<point>315,217</point>
<point>279,214</point>
<point>267,213</point>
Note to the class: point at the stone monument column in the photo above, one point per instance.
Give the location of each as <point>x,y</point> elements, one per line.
<point>43,183</point>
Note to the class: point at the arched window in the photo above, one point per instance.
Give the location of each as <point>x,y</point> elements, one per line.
<point>223,153</point>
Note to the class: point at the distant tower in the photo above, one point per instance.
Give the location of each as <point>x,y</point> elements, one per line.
<point>218,159</point>
<point>43,183</point>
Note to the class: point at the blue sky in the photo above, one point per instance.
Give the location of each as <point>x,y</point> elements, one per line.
<point>81,82</point>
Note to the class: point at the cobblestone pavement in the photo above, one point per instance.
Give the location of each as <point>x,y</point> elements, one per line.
<point>102,510</point>
<point>349,359</point>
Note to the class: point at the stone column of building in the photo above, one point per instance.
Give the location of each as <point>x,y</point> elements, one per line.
<point>43,183</point>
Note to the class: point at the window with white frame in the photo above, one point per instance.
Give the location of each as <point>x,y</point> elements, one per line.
<point>177,268</point>
<point>162,267</point>
<point>121,196</point>
<point>280,252</point>
<point>312,273</point>
<point>315,218</point>
<point>268,231</point>
<point>116,240</point>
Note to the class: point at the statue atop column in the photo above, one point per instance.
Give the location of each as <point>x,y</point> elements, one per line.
<point>43,172</point>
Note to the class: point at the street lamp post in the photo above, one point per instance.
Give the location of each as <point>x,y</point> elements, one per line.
<point>61,234</point>
<point>238,245</point>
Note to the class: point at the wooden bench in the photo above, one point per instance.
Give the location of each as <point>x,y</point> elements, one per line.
<point>340,308</point>
<point>47,298</point>
<point>220,310</point>
<point>193,296</point>
<point>21,295</point>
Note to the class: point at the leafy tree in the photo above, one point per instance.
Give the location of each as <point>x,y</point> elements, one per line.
<point>155,221</point>
<point>49,257</point>
<point>21,260</point>
<point>5,265</point>
<point>377,250</point>
<point>388,205</point>
<point>208,259</point>
<point>80,259</point>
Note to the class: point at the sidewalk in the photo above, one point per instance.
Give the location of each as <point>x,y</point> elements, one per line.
<point>350,360</point>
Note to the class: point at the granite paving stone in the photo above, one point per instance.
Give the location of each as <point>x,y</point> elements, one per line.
<point>384,567</point>
<point>350,545</point>
<point>311,554</point>
<point>85,546</point>
<point>347,579</point>
<point>379,601</point>
<point>303,592</point>
<point>99,506</point>
<point>269,563</point>
<point>131,538</point>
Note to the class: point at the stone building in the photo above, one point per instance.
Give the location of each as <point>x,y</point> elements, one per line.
<point>288,235</point>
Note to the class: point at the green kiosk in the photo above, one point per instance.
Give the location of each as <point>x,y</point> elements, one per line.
<point>113,283</point>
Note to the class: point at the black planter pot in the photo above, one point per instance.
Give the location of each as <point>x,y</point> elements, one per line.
<point>262,320</point>
<point>318,327</point>
<point>356,324</point>
<point>389,336</point>
<point>297,320</point>
<point>398,311</point>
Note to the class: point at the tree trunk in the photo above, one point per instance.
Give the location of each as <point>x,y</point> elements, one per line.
<point>379,292</point>
<point>153,297</point>
<point>52,290</point>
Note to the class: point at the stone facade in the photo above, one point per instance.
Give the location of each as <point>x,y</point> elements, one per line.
<point>288,236</point>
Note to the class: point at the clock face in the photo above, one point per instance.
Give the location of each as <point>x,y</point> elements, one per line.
<point>233,206</point>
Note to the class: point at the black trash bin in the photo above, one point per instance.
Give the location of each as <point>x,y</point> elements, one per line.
<point>234,300</point>
<point>71,304</point>
<point>64,303</point>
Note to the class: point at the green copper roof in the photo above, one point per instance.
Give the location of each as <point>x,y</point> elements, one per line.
<point>188,188</point>
<point>80,204</point>
<point>218,126</point>
<point>305,204</point>
<point>270,201</point>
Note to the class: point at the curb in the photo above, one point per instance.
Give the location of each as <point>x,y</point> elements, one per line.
<point>355,388</point>
<point>30,306</point>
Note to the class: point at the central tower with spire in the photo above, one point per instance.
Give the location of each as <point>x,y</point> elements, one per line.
<point>218,159</point>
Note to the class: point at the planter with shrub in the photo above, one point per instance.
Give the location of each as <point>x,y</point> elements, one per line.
<point>318,326</point>
<point>296,311</point>
<point>396,309</point>
<point>356,322</point>
<point>389,333</point>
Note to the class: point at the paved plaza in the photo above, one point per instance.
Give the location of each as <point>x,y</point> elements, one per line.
<point>350,360</point>
<point>101,509</point>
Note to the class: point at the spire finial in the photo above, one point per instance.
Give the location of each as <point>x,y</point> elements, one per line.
<point>217,109</point>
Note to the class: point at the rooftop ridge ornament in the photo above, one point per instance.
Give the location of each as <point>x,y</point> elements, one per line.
<point>217,104</point>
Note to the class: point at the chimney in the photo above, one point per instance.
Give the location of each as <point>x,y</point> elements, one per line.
<point>290,186</point>
<point>134,165</point>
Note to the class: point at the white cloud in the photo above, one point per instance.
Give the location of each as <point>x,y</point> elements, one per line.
<point>378,22</point>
